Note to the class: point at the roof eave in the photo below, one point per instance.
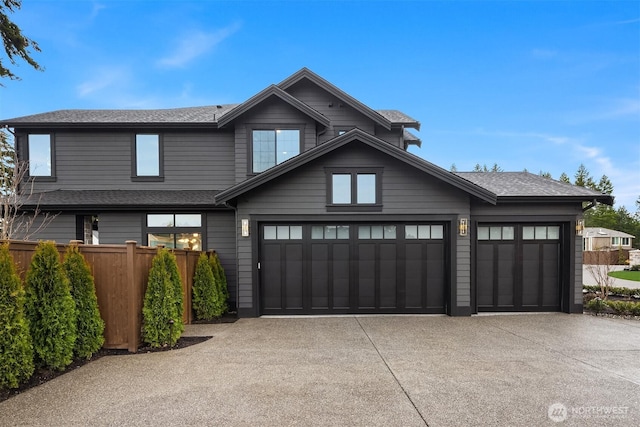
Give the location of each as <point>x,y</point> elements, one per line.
<point>605,199</point>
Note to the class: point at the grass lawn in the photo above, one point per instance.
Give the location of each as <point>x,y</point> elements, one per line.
<point>626,275</point>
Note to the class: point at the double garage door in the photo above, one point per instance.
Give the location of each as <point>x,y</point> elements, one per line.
<point>353,268</point>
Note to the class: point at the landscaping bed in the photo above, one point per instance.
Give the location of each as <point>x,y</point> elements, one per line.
<point>619,302</point>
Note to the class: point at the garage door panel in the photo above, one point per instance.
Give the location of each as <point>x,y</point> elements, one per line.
<point>366,275</point>
<point>551,274</point>
<point>414,280</point>
<point>530,275</point>
<point>485,279</point>
<point>506,265</point>
<point>388,275</point>
<point>320,276</point>
<point>435,263</point>
<point>341,275</point>
<point>293,275</point>
<point>272,262</point>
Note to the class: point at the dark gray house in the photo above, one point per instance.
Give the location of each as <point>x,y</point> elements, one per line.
<point>313,203</point>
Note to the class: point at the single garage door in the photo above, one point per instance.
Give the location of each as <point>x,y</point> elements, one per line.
<point>518,267</point>
<point>353,268</point>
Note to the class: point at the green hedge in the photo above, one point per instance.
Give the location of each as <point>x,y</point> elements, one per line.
<point>205,301</point>
<point>614,290</point>
<point>221,282</point>
<point>16,351</point>
<point>50,309</point>
<point>90,326</point>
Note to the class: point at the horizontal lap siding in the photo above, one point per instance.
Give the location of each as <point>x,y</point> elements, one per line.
<point>117,228</point>
<point>102,160</point>
<point>59,228</point>
<point>578,296</point>
<point>221,238</point>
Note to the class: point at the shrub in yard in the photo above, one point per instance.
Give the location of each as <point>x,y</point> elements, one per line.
<point>50,309</point>
<point>89,324</point>
<point>162,321</point>
<point>221,282</point>
<point>624,307</point>
<point>597,305</point>
<point>206,299</point>
<point>16,352</point>
<point>172,266</point>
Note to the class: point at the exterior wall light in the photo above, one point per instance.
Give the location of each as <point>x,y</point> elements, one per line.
<point>463,226</point>
<point>579,227</point>
<point>245,228</point>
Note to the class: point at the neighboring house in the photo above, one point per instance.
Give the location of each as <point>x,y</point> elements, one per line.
<point>312,202</point>
<point>595,238</point>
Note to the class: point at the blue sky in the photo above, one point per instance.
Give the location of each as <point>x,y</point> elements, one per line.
<point>541,85</point>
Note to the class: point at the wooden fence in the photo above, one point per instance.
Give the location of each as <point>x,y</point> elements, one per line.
<point>120,273</point>
<point>611,257</point>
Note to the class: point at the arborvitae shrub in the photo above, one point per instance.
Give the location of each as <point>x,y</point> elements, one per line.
<point>205,293</point>
<point>50,309</point>
<point>221,282</point>
<point>16,352</point>
<point>172,266</point>
<point>90,326</point>
<point>162,323</point>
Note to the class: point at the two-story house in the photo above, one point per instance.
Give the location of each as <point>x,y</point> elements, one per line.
<point>313,203</point>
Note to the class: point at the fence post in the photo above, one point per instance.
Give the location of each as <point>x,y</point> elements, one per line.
<point>134,295</point>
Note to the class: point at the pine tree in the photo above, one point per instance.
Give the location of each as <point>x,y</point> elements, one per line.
<point>221,282</point>
<point>16,351</point>
<point>50,309</point>
<point>90,326</point>
<point>206,301</point>
<point>565,178</point>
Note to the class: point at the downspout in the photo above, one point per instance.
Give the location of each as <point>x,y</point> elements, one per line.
<point>235,240</point>
<point>590,205</point>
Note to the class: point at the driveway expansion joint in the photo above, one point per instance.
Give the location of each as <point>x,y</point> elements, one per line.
<point>391,372</point>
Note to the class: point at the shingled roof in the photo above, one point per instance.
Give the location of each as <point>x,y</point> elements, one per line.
<point>517,185</point>
<point>118,199</point>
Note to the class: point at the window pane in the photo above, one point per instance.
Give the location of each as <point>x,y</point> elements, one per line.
<point>270,232</point>
<point>40,155</point>
<point>283,232</point>
<point>483,233</point>
<point>366,188</point>
<point>424,232</point>
<point>160,220</point>
<point>341,189</point>
<point>437,232</point>
<point>528,233</point>
<point>191,241</point>
<point>389,231</point>
<point>410,231</point>
<point>376,232</point>
<point>553,232</point>
<point>317,232</point>
<point>188,220</point>
<point>495,233</point>
<point>364,232</point>
<point>288,142</point>
<point>330,232</point>
<point>295,232</point>
<point>541,233</point>
<point>507,233</point>
<point>264,150</point>
<point>147,155</point>
<point>161,239</point>
<point>343,232</point>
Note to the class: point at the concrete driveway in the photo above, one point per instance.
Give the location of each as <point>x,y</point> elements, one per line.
<point>538,369</point>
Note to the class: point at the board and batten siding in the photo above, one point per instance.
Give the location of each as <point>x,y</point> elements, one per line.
<point>101,160</point>
<point>406,191</point>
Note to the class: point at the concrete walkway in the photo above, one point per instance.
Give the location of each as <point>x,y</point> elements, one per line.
<point>362,371</point>
<point>588,278</point>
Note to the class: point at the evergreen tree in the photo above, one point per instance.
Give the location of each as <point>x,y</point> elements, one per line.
<point>90,326</point>
<point>221,282</point>
<point>16,351</point>
<point>162,322</point>
<point>50,309</point>
<point>453,168</point>
<point>16,44</point>
<point>565,178</point>
<point>604,185</point>
<point>206,300</point>
<point>545,175</point>
<point>583,178</point>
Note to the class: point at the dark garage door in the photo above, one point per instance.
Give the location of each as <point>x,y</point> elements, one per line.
<point>518,267</point>
<point>352,268</point>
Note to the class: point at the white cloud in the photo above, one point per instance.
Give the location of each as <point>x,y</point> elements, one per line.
<point>103,78</point>
<point>195,44</point>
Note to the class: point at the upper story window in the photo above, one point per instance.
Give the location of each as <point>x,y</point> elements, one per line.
<point>148,159</point>
<point>40,155</point>
<point>273,146</point>
<point>354,189</point>
<point>620,241</point>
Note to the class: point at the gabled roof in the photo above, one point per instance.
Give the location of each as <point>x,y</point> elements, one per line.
<point>340,141</point>
<point>411,139</point>
<point>270,91</point>
<point>307,74</point>
<point>604,232</point>
<point>116,200</point>
<point>191,116</point>
<point>399,118</point>
<point>521,186</point>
